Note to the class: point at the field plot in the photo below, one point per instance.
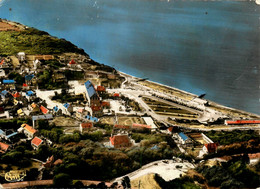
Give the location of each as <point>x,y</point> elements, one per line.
<point>124,120</point>
<point>162,108</point>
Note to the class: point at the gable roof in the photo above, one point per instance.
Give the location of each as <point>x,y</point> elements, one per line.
<point>2,62</point>
<point>101,88</point>
<point>211,147</point>
<point>66,105</point>
<point>44,110</point>
<point>4,147</point>
<point>135,125</point>
<point>122,126</point>
<point>16,95</point>
<point>29,93</point>
<point>29,77</point>
<point>183,136</point>
<point>72,62</point>
<point>119,139</point>
<point>36,141</point>
<point>86,125</point>
<point>55,108</point>
<point>28,128</point>
<point>90,89</point>
<point>46,116</point>
<point>8,81</point>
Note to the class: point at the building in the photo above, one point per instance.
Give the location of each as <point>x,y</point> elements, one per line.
<point>36,142</point>
<point>9,83</point>
<point>3,147</point>
<point>120,141</point>
<point>141,126</point>
<point>210,148</point>
<point>44,110</point>
<point>27,130</point>
<point>72,64</point>
<point>93,98</point>
<point>241,122</point>
<point>85,126</point>
<point>185,140</point>
<point>21,56</point>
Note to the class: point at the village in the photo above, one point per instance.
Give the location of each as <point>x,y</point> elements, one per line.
<point>54,106</point>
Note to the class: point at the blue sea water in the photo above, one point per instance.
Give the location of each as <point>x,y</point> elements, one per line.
<point>210,47</point>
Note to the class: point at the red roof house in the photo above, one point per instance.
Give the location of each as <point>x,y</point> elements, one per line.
<point>120,141</point>
<point>44,110</point>
<point>36,142</point>
<point>116,95</point>
<point>16,95</point>
<point>210,147</point>
<point>3,147</point>
<point>28,130</point>
<point>101,89</point>
<point>105,104</point>
<point>122,126</point>
<point>72,62</point>
<point>85,126</point>
<point>140,126</point>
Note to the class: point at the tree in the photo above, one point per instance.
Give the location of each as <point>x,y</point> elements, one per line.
<point>62,180</point>
<point>126,182</point>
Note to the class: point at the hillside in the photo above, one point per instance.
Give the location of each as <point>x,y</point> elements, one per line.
<point>32,41</point>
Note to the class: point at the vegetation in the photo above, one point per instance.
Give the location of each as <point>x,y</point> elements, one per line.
<point>228,137</point>
<point>179,183</point>
<point>33,41</point>
<point>65,97</point>
<point>45,81</point>
<point>233,174</point>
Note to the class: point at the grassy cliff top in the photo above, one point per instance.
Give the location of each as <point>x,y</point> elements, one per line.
<point>33,41</point>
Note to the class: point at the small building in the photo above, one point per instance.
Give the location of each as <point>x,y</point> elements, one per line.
<point>43,109</point>
<point>36,142</point>
<point>120,141</point>
<point>2,73</point>
<point>21,56</point>
<point>101,89</point>
<point>68,107</point>
<point>105,104</point>
<point>210,148</point>
<point>16,95</point>
<point>27,130</point>
<point>85,126</point>
<point>185,140</point>
<point>20,112</point>
<point>72,64</point>
<point>121,127</point>
<point>3,147</point>
<point>140,126</point>
<point>9,83</point>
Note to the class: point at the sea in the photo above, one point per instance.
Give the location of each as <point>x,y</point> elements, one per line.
<point>210,47</point>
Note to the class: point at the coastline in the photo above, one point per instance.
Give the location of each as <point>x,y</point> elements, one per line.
<point>219,107</point>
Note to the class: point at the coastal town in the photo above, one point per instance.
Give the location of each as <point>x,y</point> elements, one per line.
<point>63,113</point>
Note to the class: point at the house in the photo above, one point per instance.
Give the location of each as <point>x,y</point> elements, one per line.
<point>121,126</point>
<point>210,148</point>
<point>93,98</point>
<point>27,130</point>
<point>21,56</point>
<point>59,77</point>
<point>68,107</point>
<point>72,64</point>
<point>101,89</point>
<point>3,147</point>
<point>20,112</point>
<point>9,83</point>
<point>105,104</point>
<point>43,57</point>
<point>185,140</point>
<point>141,126</point>
<point>120,141</point>
<point>2,73</point>
<point>44,110</point>
<point>92,119</point>
<point>16,95</point>
<point>116,95</point>
<point>30,79</point>
<point>85,126</point>
<point>36,142</point>
<point>49,162</point>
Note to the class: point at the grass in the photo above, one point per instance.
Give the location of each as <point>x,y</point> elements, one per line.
<point>33,41</point>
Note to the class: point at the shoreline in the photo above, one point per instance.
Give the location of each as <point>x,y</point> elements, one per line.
<point>191,95</point>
